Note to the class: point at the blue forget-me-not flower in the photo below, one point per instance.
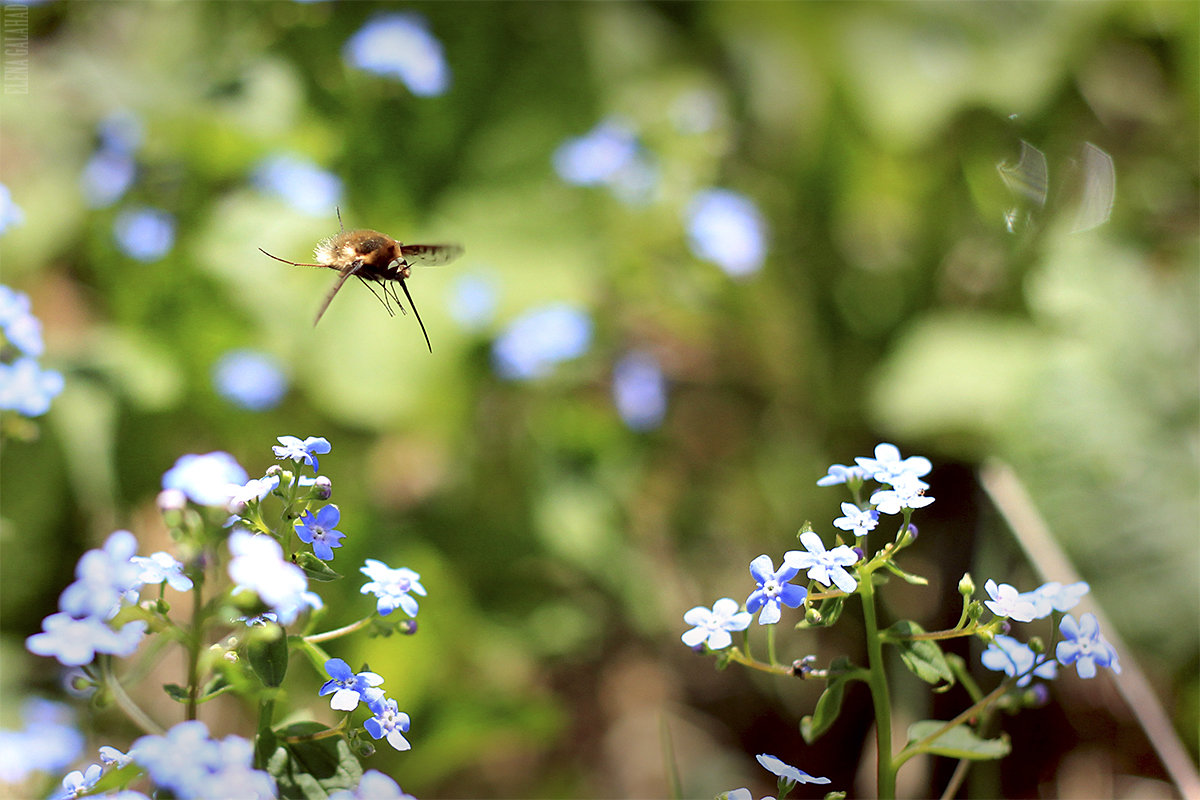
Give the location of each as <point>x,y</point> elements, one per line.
<point>399,45</point>
<point>392,587</point>
<point>298,182</point>
<point>349,688</point>
<point>145,234</point>
<point>726,228</point>
<point>249,379</point>
<point>1012,657</point>
<point>389,722</point>
<point>536,341</point>
<point>319,531</point>
<point>301,451</point>
<point>640,391</point>
<point>774,590</point>
<point>826,567</point>
<point>1084,646</point>
<point>712,626</point>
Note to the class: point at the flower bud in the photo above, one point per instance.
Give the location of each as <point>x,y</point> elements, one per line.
<point>274,469</point>
<point>1037,645</point>
<point>966,586</point>
<point>913,533</point>
<point>408,627</point>
<point>171,500</point>
<point>323,488</point>
<point>812,616</point>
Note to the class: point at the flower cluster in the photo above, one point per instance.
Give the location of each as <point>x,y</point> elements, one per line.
<point>209,502</point>
<point>24,386</point>
<point>838,572</point>
<point>105,581</point>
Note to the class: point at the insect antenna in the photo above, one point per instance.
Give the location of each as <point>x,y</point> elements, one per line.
<point>404,286</point>
<point>339,213</point>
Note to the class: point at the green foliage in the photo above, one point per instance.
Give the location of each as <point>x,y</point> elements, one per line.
<point>309,766</point>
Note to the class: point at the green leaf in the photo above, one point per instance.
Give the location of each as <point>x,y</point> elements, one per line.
<point>268,656</point>
<point>312,768</point>
<point>923,657</point>
<point>315,568</point>
<point>829,705</point>
<point>218,685</point>
<point>958,742</point>
<point>176,692</point>
<point>908,576</point>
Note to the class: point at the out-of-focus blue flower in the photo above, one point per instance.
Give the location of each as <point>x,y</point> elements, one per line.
<point>301,451</point>
<point>10,213</point>
<point>907,491</point>
<point>1084,646</point>
<point>392,587</point>
<point>106,177</point>
<point>348,688</point>
<point>373,786</point>
<point>145,234</point>
<point>159,567</point>
<point>28,389</point>
<point>826,567</point>
<point>22,329</point>
<point>774,589</point>
<point>1053,596</point>
<point>389,722</point>
<point>121,132</point>
<point>249,379</point>
<point>840,473</point>
<point>726,228</point>
<point>319,531</point>
<point>75,642</point>
<point>780,768</point>
<point>608,155</point>
<point>258,565</point>
<point>1006,654</point>
<point>103,578</point>
<point>536,341</point>
<point>299,183</point>
<point>859,520</point>
<point>598,156</point>
<point>193,766</point>
<point>1008,602</point>
<point>712,626</point>
<point>640,391</point>
<point>887,466</point>
<point>473,301</point>
<point>209,480</point>
<point>48,742</point>
<point>400,46</point>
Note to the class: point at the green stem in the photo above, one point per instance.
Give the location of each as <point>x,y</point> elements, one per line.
<point>193,650</point>
<point>124,701</point>
<point>771,645</point>
<point>337,633</point>
<point>886,771</point>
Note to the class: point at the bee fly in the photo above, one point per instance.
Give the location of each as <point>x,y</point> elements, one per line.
<point>373,257</point>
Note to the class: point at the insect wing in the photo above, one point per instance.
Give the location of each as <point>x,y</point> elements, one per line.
<point>431,255</point>
<point>346,273</point>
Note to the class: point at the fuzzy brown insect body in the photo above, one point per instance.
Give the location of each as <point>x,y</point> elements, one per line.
<point>374,257</point>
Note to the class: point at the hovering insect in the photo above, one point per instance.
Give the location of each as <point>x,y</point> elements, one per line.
<point>372,256</point>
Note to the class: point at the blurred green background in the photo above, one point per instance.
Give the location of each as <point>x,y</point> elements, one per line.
<point>907,294</point>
